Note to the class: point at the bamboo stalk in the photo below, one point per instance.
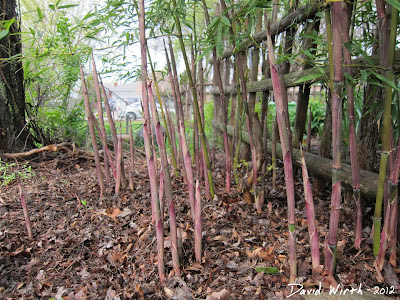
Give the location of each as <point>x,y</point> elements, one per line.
<point>308,140</point>
<point>150,158</point>
<point>391,213</point>
<point>176,82</point>
<point>92,133</point>
<point>198,225</point>
<point>109,115</point>
<point>312,227</point>
<point>101,119</point>
<point>273,154</point>
<point>390,218</point>
<point>131,150</point>
<point>177,98</point>
<point>26,213</point>
<point>119,166</point>
<point>284,132</point>
<point>352,135</point>
<point>195,101</point>
<point>107,151</point>
<point>228,163</point>
<point>164,120</point>
<point>255,59</point>
<point>389,41</point>
<point>167,183</point>
<point>337,85</point>
<point>113,134</point>
<point>187,162</point>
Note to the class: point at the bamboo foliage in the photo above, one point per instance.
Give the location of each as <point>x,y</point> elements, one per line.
<point>193,168</point>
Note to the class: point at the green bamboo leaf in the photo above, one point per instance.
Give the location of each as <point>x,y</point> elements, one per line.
<point>385,80</point>
<point>394,3</point>
<point>3,33</point>
<point>88,16</point>
<point>308,54</point>
<point>40,13</point>
<point>309,77</point>
<point>263,4</point>
<point>267,270</point>
<point>52,7</point>
<point>225,21</point>
<point>348,76</point>
<point>68,6</point>
<point>213,23</point>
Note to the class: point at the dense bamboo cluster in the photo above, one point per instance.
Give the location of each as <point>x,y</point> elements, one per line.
<point>239,90</point>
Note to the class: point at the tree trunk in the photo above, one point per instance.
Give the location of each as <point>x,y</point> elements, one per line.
<point>14,135</point>
<point>368,131</point>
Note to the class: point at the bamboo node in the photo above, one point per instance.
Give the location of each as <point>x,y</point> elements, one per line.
<point>337,87</point>
<point>333,207</point>
<point>336,172</point>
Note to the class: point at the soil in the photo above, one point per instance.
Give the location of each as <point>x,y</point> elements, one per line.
<point>86,247</point>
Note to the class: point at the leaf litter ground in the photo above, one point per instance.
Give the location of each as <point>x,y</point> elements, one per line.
<point>90,248</point>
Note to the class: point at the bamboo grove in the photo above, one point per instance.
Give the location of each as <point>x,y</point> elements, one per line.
<point>256,51</point>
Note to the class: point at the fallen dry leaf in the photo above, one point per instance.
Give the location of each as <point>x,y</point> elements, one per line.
<point>113,212</point>
<point>168,292</point>
<point>221,295</point>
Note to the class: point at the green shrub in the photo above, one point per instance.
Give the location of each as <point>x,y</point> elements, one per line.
<point>318,110</point>
<point>59,125</point>
<point>8,174</point>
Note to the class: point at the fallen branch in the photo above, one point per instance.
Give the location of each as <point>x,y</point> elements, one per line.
<point>49,148</point>
<point>321,166</point>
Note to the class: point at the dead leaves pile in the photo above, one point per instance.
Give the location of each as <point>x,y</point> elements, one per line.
<point>84,248</point>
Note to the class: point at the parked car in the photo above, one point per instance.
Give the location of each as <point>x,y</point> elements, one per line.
<point>134,111</point>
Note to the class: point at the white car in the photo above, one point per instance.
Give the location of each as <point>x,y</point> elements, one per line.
<point>133,111</point>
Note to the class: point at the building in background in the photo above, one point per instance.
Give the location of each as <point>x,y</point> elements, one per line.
<point>126,99</point>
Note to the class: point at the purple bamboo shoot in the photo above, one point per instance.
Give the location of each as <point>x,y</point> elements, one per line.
<point>131,150</point>
<point>89,116</point>
<point>352,137</point>
<point>119,165</point>
<point>284,132</point>
<point>187,162</point>
<point>26,213</point>
<point>165,180</point>
<point>197,225</point>
<point>338,14</point>
<point>149,149</point>
<point>390,215</point>
<point>312,227</point>
<point>101,119</point>
<point>109,115</point>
